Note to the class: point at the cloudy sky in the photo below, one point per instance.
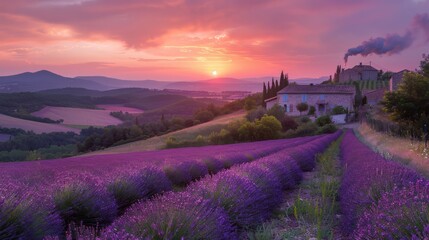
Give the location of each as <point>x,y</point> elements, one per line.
<point>189,39</point>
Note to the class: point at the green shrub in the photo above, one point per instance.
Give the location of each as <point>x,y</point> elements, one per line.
<point>171,142</point>
<point>328,128</point>
<point>339,110</point>
<point>312,110</point>
<point>289,123</point>
<point>306,129</point>
<point>323,120</point>
<point>256,114</point>
<point>222,137</point>
<point>266,128</point>
<point>277,111</point>
<point>304,119</point>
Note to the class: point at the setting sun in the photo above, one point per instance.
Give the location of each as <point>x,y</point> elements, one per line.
<point>214,73</point>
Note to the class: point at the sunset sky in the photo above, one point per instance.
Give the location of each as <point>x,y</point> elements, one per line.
<point>190,39</point>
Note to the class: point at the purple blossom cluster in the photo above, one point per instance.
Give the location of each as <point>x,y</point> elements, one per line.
<point>92,190</point>
<point>402,213</point>
<point>380,199</point>
<point>19,219</point>
<point>237,198</point>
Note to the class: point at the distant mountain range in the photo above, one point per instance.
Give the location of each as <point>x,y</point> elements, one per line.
<point>45,80</point>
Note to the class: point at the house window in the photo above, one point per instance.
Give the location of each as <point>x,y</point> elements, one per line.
<point>304,98</point>
<point>285,106</point>
<point>322,97</point>
<point>291,108</point>
<point>284,97</point>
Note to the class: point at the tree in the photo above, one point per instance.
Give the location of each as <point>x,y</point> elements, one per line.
<point>312,110</point>
<point>337,74</point>
<point>424,66</point>
<point>358,96</point>
<point>204,116</point>
<point>409,105</point>
<point>249,104</point>
<point>282,80</point>
<point>289,123</point>
<point>273,89</point>
<point>264,92</point>
<point>277,111</point>
<point>256,114</point>
<point>339,110</point>
<point>323,120</point>
<point>364,100</point>
<point>302,107</point>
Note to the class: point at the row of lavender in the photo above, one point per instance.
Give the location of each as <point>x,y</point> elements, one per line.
<point>381,199</point>
<point>219,206</point>
<point>42,201</point>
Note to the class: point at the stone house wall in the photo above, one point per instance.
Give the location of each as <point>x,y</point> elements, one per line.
<point>323,103</point>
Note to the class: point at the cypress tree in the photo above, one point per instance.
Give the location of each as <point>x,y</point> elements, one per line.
<point>286,80</point>
<point>337,74</point>
<point>277,86</point>
<point>273,87</point>
<point>264,92</point>
<point>282,80</point>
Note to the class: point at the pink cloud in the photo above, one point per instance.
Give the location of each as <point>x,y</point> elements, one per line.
<point>275,34</point>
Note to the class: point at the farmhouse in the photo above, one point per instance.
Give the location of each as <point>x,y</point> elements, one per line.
<point>323,97</point>
<point>359,73</point>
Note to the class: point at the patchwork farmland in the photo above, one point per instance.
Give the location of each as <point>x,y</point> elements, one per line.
<point>37,127</point>
<point>78,116</point>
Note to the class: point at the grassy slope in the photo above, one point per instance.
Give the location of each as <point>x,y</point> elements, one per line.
<point>37,127</point>
<point>407,152</point>
<point>184,134</point>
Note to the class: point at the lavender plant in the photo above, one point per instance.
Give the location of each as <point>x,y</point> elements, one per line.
<point>367,176</point>
<point>86,204</point>
<point>175,216</point>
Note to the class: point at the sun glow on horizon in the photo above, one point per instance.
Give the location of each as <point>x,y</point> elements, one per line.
<point>214,73</point>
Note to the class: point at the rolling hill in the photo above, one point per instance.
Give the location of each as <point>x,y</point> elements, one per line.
<point>46,80</point>
<point>42,80</point>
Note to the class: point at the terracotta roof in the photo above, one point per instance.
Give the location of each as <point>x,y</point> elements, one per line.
<point>324,89</point>
<point>361,67</point>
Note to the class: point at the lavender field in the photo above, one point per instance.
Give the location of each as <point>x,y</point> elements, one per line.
<point>214,192</point>
<point>42,198</point>
<point>379,198</point>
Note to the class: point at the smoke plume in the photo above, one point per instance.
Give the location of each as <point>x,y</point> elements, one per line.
<point>392,43</point>
<point>421,23</point>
